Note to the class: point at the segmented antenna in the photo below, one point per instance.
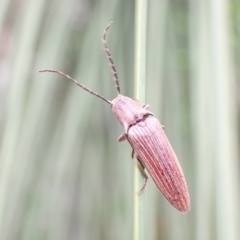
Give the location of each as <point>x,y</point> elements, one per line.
<point>109,56</point>
<point>76,82</point>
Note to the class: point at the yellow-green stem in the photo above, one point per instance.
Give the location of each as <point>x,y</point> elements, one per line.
<point>140,82</point>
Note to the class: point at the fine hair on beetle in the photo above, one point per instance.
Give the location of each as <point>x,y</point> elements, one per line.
<point>151,148</point>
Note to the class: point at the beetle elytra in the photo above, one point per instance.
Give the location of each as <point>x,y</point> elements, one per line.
<point>147,138</point>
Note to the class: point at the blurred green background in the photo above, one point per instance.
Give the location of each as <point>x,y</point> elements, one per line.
<point>63,175</point>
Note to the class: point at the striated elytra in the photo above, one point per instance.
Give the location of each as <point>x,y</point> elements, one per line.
<point>153,150</point>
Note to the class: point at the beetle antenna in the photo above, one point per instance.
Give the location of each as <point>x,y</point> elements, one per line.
<point>76,82</point>
<point>109,56</point>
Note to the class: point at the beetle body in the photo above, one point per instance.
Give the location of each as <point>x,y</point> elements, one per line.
<point>148,140</point>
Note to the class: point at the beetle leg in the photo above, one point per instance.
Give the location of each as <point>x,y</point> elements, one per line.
<point>141,169</point>
<point>132,153</point>
<point>139,164</point>
<point>146,106</point>
<point>122,137</point>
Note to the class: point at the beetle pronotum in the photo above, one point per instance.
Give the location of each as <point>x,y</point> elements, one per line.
<point>149,143</point>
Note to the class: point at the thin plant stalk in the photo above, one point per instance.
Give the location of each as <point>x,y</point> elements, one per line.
<point>140,86</point>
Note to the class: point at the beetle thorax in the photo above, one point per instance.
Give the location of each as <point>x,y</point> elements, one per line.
<point>128,111</point>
